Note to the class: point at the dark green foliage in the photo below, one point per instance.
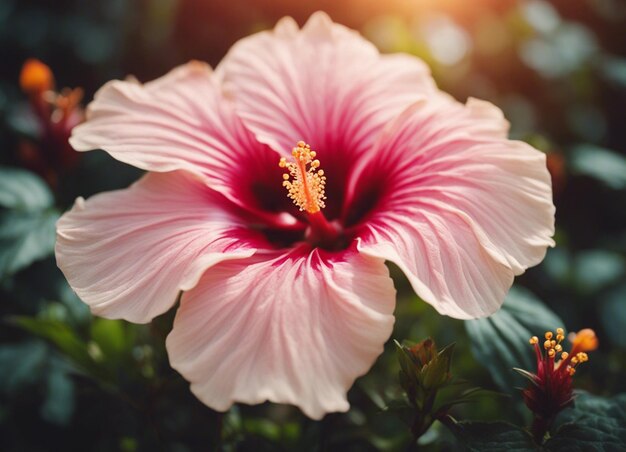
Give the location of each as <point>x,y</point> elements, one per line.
<point>602,164</point>
<point>27,220</point>
<point>494,436</point>
<point>593,424</point>
<point>500,342</point>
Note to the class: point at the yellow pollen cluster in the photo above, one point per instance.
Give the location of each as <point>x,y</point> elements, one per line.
<point>305,182</point>
<point>580,357</point>
<point>553,346</point>
<point>585,340</point>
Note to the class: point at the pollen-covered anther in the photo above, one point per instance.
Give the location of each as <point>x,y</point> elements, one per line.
<point>533,340</point>
<point>305,182</point>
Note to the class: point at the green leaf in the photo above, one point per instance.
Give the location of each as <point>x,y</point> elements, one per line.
<point>494,436</point>
<point>445,400</point>
<point>27,220</point>
<point>602,164</point>
<point>593,424</point>
<point>613,315</point>
<point>438,371</point>
<point>23,190</point>
<point>614,69</point>
<point>67,341</point>
<point>58,406</point>
<point>29,365</point>
<point>532,378</point>
<point>407,365</point>
<point>500,342</point>
<point>110,335</point>
<point>262,427</point>
<point>594,269</point>
<point>24,238</point>
<point>21,365</point>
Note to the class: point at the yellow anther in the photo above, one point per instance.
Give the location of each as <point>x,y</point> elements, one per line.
<point>560,331</point>
<point>533,340</point>
<point>560,337</point>
<point>305,183</point>
<point>547,345</point>
<point>574,360</point>
<point>549,335</point>
<point>553,343</point>
<point>551,353</point>
<point>571,371</point>
<point>564,355</point>
<point>558,348</point>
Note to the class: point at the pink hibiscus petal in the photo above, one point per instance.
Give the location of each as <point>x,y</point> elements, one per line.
<point>128,253</point>
<point>179,121</point>
<point>296,328</point>
<point>323,84</point>
<point>462,210</point>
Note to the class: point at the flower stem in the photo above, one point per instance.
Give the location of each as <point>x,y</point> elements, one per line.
<point>539,428</point>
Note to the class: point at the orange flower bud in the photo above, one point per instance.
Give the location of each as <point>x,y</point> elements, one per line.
<point>583,341</point>
<point>36,77</point>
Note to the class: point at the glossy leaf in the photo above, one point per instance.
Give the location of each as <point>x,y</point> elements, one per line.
<point>23,190</point>
<point>68,343</point>
<point>494,436</point>
<point>602,164</point>
<point>595,269</point>
<point>58,406</point>
<point>500,342</point>
<point>27,220</point>
<point>21,365</point>
<point>593,424</point>
<point>613,315</point>
<point>614,69</point>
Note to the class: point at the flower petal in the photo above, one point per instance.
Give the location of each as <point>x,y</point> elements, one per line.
<point>179,121</point>
<point>462,210</point>
<point>445,264</point>
<point>323,84</point>
<point>128,253</point>
<point>295,329</point>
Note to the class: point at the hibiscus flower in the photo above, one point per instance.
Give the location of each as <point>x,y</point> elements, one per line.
<point>277,187</point>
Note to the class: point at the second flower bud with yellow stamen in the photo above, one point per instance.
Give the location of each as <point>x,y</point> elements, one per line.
<point>551,387</point>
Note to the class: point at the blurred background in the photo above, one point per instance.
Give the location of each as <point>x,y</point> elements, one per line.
<point>72,382</point>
